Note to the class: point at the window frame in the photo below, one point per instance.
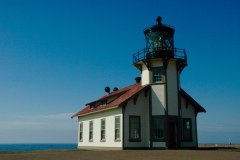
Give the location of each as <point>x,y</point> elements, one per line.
<point>115,129</point>
<point>162,75</point>
<point>90,131</point>
<point>104,102</point>
<point>103,139</point>
<point>92,105</point>
<point>163,129</point>
<point>130,129</point>
<point>81,132</point>
<point>189,131</point>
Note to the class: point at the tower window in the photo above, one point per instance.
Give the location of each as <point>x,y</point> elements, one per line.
<point>157,75</point>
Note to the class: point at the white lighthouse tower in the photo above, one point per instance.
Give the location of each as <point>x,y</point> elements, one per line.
<point>160,65</point>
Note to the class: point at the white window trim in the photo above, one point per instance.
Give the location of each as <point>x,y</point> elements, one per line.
<point>90,139</point>
<point>162,75</point>
<point>80,139</point>
<point>117,139</point>
<point>103,140</point>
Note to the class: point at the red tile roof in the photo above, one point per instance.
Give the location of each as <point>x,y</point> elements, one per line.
<point>124,95</point>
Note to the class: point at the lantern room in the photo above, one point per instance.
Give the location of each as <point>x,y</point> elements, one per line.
<point>159,40</point>
<point>159,44</point>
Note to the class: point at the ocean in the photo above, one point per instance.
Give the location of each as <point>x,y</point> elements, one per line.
<point>37,146</point>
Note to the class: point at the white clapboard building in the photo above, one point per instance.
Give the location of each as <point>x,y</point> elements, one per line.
<point>153,113</point>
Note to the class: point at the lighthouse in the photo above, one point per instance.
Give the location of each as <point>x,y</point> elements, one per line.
<point>153,113</point>
<point>160,65</point>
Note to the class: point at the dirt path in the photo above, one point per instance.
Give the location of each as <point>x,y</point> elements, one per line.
<point>125,154</point>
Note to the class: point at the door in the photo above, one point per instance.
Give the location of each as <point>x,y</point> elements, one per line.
<point>173,133</point>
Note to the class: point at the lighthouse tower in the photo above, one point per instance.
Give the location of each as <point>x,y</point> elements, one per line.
<point>160,65</point>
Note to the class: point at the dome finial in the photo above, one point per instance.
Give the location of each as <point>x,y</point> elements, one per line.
<point>159,20</point>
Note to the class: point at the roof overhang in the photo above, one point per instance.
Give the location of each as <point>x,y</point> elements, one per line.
<point>196,105</point>
<point>95,111</point>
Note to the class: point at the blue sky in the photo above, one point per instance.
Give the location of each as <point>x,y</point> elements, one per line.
<point>58,55</point>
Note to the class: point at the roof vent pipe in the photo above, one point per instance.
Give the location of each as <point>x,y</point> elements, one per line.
<point>107,89</point>
<point>115,89</point>
<point>138,79</point>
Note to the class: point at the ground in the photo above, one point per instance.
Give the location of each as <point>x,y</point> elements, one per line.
<point>200,154</point>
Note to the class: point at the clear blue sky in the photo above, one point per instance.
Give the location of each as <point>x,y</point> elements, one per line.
<point>58,55</point>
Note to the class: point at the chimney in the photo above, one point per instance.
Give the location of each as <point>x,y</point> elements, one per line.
<point>138,79</point>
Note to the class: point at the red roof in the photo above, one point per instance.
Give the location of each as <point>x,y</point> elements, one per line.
<point>124,95</point>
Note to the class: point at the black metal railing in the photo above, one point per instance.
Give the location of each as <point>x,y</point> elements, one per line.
<point>143,54</point>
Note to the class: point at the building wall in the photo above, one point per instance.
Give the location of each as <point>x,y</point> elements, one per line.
<point>158,99</point>
<point>189,112</point>
<point>140,109</point>
<point>159,144</point>
<point>156,63</point>
<point>109,116</point>
<point>172,88</point>
<point>145,75</point>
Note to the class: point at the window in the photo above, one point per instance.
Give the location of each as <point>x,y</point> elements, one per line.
<point>187,129</point>
<point>117,128</point>
<point>102,129</point>
<point>157,75</point>
<point>104,102</point>
<point>92,105</point>
<point>158,128</point>
<point>91,131</point>
<point>81,132</point>
<point>134,128</point>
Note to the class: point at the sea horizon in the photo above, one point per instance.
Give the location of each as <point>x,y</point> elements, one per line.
<point>35,146</point>
<point>18,147</point>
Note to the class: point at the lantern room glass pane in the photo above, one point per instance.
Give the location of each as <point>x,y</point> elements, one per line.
<point>157,41</point>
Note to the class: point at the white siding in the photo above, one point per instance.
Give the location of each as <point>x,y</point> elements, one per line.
<point>159,144</point>
<point>189,112</point>
<point>145,75</point>
<point>172,89</point>
<point>156,63</point>
<point>109,116</point>
<point>140,109</point>
<point>158,100</point>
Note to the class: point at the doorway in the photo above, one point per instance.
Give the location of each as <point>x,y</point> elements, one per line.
<point>173,133</point>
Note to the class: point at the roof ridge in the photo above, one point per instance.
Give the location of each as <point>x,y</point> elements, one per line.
<point>126,93</point>
<point>112,93</point>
